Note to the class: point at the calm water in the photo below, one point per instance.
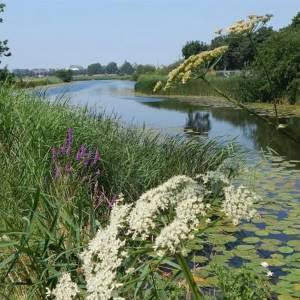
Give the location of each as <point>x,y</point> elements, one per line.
<point>276,237</point>
<point>177,117</point>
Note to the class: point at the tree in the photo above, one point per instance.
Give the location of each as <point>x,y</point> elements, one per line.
<point>95,68</point>
<point>64,75</point>
<point>296,21</point>
<point>281,59</point>
<point>112,68</point>
<point>192,48</point>
<point>127,68</point>
<point>240,53</point>
<point>5,75</point>
<point>4,50</point>
<point>275,71</point>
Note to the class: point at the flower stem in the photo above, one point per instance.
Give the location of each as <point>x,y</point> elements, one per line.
<point>189,277</point>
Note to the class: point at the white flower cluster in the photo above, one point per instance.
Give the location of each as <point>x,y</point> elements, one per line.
<point>100,262</point>
<point>103,256</point>
<point>238,204</point>
<point>213,176</point>
<point>143,217</point>
<point>65,289</point>
<point>187,219</point>
<point>246,26</point>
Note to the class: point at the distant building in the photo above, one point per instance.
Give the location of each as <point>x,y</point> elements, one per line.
<point>76,68</point>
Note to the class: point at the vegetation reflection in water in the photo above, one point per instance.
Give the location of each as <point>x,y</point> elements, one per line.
<point>275,237</point>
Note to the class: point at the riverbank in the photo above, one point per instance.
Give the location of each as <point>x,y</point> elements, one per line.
<point>55,81</point>
<point>199,93</point>
<point>60,170</point>
<point>284,110</point>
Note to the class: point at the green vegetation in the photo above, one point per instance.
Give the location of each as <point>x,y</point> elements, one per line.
<point>241,284</point>
<point>45,220</point>
<point>192,48</point>
<point>102,77</point>
<point>95,68</point>
<point>31,82</point>
<point>145,84</point>
<point>281,60</point>
<point>126,68</point>
<point>64,75</point>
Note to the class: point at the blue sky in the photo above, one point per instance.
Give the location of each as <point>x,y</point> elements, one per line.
<point>57,33</point>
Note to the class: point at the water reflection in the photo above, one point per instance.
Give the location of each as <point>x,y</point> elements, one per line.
<point>249,130</point>
<point>198,122</point>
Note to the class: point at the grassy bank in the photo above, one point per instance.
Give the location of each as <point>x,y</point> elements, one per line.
<point>54,197</point>
<point>146,83</point>
<point>198,93</point>
<point>31,82</point>
<point>102,77</point>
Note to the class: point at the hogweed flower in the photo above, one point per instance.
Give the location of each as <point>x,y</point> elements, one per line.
<point>158,86</point>
<point>103,256</point>
<point>188,217</point>
<point>142,219</point>
<point>247,26</point>
<point>239,204</point>
<point>192,66</point>
<point>65,289</point>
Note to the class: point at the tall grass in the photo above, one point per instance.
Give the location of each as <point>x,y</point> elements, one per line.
<point>45,222</point>
<point>34,82</point>
<point>146,83</point>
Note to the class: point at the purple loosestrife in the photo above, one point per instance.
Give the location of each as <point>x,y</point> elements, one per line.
<point>68,142</point>
<point>81,153</point>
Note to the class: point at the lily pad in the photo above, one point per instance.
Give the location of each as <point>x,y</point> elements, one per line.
<point>251,240</point>
<point>262,232</point>
<point>285,249</point>
<point>245,247</point>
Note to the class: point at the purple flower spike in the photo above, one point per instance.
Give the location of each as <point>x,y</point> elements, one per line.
<point>80,153</point>
<point>69,141</point>
<point>97,157</point>
<point>62,150</point>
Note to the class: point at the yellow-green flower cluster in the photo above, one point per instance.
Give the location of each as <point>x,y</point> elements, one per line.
<point>191,66</point>
<point>158,86</point>
<point>246,26</point>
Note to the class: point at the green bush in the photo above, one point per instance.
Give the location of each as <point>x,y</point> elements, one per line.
<point>64,75</point>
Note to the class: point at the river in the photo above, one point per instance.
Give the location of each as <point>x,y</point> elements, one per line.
<point>276,237</point>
